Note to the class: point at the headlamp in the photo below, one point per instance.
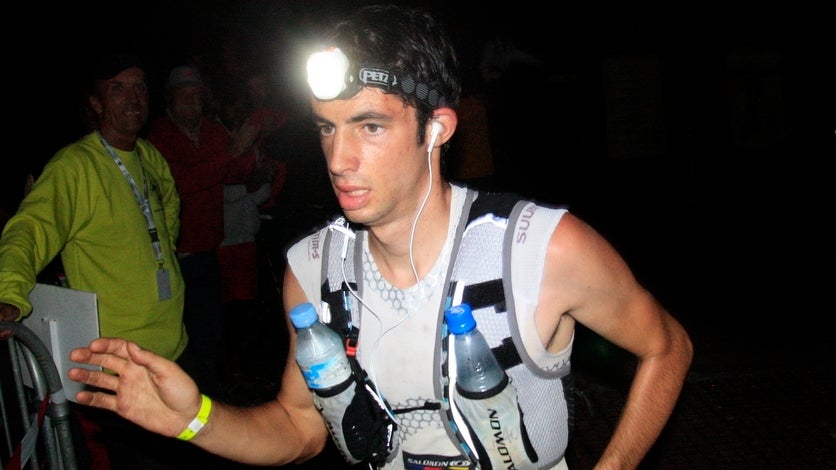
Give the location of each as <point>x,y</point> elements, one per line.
<point>331,76</point>
<point>327,73</point>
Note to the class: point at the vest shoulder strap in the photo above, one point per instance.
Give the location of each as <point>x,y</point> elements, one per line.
<point>499,204</point>
<point>496,292</point>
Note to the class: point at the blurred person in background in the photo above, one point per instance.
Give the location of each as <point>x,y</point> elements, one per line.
<point>203,157</point>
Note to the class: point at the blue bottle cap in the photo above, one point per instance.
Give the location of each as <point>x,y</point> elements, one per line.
<point>460,319</point>
<point>303,315</point>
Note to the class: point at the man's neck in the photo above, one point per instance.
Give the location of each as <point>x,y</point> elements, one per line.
<point>390,247</point>
<point>118,140</point>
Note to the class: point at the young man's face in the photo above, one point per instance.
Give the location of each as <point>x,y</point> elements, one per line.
<point>377,167</point>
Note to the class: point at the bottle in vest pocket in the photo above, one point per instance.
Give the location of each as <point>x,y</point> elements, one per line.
<point>486,398</point>
<point>358,419</point>
<point>320,353</point>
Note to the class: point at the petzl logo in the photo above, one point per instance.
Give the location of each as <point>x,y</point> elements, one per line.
<point>374,77</point>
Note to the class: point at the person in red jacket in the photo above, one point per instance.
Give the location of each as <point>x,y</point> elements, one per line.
<point>203,157</point>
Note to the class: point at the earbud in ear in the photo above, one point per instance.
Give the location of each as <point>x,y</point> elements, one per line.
<point>434,132</point>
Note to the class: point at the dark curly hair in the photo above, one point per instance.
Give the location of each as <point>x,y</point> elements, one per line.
<point>408,41</point>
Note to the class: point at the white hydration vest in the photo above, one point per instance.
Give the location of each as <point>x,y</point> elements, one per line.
<point>499,242</point>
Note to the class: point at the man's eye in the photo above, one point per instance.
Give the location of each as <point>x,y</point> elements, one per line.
<point>326,130</point>
<point>373,128</point>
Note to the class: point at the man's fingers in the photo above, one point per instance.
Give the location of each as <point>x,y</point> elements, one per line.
<point>100,346</point>
<point>116,346</point>
<point>106,361</point>
<point>95,378</point>
<point>97,399</point>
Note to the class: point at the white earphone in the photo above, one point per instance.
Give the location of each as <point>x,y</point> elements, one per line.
<point>434,132</point>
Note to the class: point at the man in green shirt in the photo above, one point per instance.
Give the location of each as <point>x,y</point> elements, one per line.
<point>84,207</point>
<point>108,205</point>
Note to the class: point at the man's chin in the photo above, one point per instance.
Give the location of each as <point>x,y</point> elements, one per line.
<point>353,216</point>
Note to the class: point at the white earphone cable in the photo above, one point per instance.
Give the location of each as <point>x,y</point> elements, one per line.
<point>420,210</point>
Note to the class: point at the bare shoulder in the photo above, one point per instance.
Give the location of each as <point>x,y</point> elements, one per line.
<point>584,279</point>
<point>577,247</point>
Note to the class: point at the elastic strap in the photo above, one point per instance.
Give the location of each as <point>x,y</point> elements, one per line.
<point>199,421</point>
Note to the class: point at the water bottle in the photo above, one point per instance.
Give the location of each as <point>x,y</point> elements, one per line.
<point>479,375</point>
<point>357,420</point>
<point>319,350</point>
<point>486,398</point>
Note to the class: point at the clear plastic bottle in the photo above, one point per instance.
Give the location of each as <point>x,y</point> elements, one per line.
<point>320,353</point>
<point>486,398</point>
<point>478,374</point>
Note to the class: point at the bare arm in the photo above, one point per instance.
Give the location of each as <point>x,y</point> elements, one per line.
<point>586,280</point>
<point>158,395</point>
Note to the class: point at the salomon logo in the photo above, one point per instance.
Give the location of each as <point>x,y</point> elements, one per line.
<point>525,222</point>
<point>315,253</point>
<point>499,440</point>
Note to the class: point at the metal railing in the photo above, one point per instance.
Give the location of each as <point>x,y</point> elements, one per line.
<point>35,425</point>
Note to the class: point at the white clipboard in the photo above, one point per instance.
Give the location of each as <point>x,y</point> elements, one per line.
<point>64,319</point>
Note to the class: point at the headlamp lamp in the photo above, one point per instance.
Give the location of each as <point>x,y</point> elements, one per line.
<point>331,76</point>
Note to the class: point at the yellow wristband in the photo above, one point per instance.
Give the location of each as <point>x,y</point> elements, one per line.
<point>199,421</point>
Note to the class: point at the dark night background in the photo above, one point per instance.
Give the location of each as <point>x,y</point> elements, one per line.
<point>697,136</point>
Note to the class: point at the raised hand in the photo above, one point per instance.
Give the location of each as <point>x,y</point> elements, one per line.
<point>140,386</point>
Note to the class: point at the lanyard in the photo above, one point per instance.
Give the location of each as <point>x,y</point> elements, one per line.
<point>141,198</point>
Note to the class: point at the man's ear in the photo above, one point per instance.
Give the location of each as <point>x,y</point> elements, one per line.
<point>445,120</point>
<point>95,104</point>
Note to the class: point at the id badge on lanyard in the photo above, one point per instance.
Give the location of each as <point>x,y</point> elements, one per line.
<point>142,199</point>
<point>164,283</point>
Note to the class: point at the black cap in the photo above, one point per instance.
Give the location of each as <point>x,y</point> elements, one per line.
<point>111,65</point>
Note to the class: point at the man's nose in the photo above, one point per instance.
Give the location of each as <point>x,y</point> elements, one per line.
<point>339,150</point>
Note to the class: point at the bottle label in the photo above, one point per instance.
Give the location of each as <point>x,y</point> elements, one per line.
<point>327,374</point>
<point>499,433</point>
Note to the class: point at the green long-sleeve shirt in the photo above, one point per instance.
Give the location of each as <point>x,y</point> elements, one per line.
<point>82,207</point>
